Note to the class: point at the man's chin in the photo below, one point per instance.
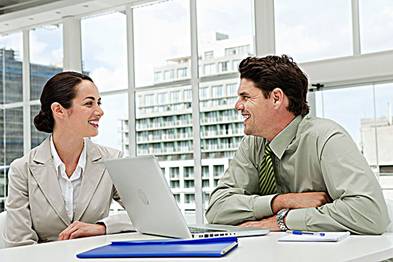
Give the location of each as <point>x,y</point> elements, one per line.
<point>247,132</point>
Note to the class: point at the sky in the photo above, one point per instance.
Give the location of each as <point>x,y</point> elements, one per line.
<point>305,29</point>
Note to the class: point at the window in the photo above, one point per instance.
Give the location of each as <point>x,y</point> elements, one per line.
<point>217,91</point>
<point>175,97</point>
<point>299,25</point>
<point>11,68</point>
<point>174,172</point>
<point>218,170</point>
<point>210,69</point>
<point>157,76</point>
<point>182,72</point>
<point>167,41</point>
<point>113,131</point>
<point>169,74</point>
<point>104,56</point>
<point>188,172</point>
<point>232,89</point>
<point>376,25</point>
<point>223,66</point>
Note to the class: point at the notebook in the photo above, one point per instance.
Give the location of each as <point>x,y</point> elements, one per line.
<point>151,206</point>
<point>315,237</point>
<point>209,247</point>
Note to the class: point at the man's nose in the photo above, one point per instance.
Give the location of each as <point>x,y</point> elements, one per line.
<point>239,105</point>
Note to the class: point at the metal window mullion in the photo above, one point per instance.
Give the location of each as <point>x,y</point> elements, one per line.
<point>264,27</point>
<point>26,92</point>
<point>195,113</point>
<point>355,28</point>
<point>72,44</point>
<point>131,83</point>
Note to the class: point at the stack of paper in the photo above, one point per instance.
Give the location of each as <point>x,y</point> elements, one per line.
<point>315,237</point>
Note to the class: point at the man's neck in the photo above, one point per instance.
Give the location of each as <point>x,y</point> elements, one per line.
<point>280,124</point>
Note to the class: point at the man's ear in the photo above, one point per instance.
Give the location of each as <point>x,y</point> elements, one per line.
<point>58,110</point>
<point>277,96</point>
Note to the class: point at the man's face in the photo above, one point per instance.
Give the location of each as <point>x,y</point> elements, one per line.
<point>256,110</point>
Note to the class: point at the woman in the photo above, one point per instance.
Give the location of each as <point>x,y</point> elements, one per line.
<point>60,189</point>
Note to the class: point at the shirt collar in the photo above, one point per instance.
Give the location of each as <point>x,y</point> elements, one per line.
<point>281,142</point>
<point>57,160</point>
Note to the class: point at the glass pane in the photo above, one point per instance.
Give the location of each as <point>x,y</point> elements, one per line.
<point>348,107</point>
<point>225,38</point>
<point>162,42</point>
<point>352,108</point>
<point>313,29</point>
<point>104,55</point>
<point>163,116</point>
<point>376,25</point>
<point>46,56</point>
<point>113,129</point>
<point>164,129</point>
<point>11,58</point>
<point>36,136</point>
<point>11,144</point>
<point>383,128</point>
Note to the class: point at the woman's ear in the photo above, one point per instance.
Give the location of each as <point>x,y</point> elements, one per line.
<point>58,110</point>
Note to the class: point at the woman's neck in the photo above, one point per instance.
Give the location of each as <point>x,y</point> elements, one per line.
<point>68,148</point>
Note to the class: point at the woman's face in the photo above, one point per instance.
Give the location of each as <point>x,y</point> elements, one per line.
<point>85,112</point>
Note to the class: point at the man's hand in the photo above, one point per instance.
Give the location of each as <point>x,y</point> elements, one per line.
<point>300,200</point>
<point>80,229</point>
<point>270,223</point>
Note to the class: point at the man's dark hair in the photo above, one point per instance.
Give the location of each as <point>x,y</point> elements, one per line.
<point>271,72</point>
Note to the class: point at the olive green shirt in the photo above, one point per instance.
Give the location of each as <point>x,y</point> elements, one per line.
<point>310,155</point>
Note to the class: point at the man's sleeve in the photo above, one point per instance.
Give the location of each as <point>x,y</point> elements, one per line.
<point>18,228</point>
<point>358,205</point>
<point>235,199</point>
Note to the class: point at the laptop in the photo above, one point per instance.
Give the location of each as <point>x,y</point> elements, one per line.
<point>151,205</point>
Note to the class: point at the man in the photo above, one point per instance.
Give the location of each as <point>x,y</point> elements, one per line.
<point>293,171</point>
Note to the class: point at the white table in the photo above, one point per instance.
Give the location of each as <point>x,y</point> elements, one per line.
<point>265,248</point>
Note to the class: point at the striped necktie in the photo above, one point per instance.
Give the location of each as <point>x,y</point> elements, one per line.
<point>267,182</point>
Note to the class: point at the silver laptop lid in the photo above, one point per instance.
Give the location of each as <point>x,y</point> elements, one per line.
<point>146,196</point>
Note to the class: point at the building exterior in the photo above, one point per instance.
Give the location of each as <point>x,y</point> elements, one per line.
<point>11,120</point>
<point>376,136</point>
<point>164,119</point>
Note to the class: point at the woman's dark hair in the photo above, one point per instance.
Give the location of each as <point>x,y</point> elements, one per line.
<point>61,89</point>
<point>271,72</point>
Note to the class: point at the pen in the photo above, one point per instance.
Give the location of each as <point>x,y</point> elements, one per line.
<point>299,232</point>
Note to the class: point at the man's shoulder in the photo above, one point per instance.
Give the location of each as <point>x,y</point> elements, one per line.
<point>319,126</point>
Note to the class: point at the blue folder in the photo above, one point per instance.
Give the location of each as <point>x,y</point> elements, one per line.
<point>206,247</point>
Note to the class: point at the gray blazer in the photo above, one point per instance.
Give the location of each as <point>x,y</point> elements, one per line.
<point>35,205</point>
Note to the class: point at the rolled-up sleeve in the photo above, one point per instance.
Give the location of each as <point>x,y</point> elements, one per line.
<point>236,197</point>
<point>358,205</point>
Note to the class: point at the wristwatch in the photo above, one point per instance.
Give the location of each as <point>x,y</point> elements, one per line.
<point>280,219</point>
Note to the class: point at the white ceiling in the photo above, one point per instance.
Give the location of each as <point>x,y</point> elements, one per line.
<point>54,11</point>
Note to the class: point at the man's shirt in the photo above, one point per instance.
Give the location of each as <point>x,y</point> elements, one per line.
<point>310,155</point>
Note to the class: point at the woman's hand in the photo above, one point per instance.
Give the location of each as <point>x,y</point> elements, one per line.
<point>80,229</point>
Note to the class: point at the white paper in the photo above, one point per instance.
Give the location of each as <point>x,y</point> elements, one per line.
<point>328,237</point>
